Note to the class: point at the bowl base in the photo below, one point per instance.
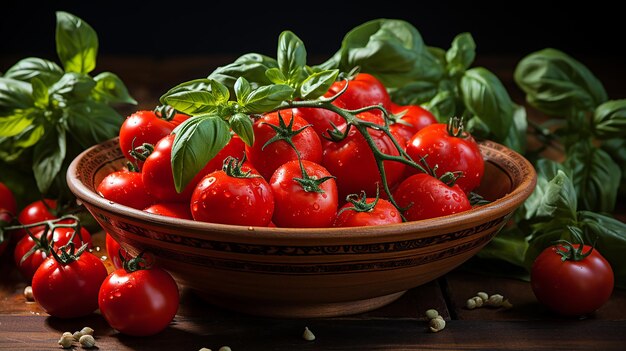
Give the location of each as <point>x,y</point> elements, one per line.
<point>308,310</point>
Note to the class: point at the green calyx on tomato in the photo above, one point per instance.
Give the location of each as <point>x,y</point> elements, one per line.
<point>67,253</point>
<point>456,128</point>
<point>284,132</point>
<point>233,168</point>
<point>568,252</point>
<point>165,112</point>
<point>133,264</point>
<point>311,184</point>
<point>360,204</point>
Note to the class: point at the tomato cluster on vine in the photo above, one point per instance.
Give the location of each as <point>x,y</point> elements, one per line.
<point>307,167</point>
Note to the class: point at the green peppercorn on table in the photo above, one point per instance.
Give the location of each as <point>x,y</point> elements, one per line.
<point>403,325</point>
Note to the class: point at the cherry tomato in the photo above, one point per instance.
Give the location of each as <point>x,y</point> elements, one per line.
<point>449,153</point>
<point>145,127</point>
<point>351,160</point>
<point>304,204</point>
<point>113,250</point>
<point>234,148</point>
<point>7,200</point>
<point>171,209</point>
<point>69,290</point>
<point>372,211</point>
<point>320,119</point>
<point>267,160</point>
<point>415,118</point>
<point>125,188</point>
<point>38,211</point>
<point>425,196</point>
<point>139,303</point>
<point>233,198</point>
<point>570,287</point>
<point>363,90</point>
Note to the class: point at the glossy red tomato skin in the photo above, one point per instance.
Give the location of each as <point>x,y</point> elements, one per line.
<point>220,198</point>
<point>296,208</point>
<point>428,197</point>
<point>71,290</point>
<point>171,209</point>
<point>416,116</point>
<point>145,127</point>
<point>364,90</point>
<point>125,188</point>
<point>321,120</point>
<point>62,236</point>
<point>113,250</point>
<point>235,148</point>
<point>37,211</point>
<point>7,200</point>
<point>352,161</point>
<point>383,213</point>
<point>267,160</point>
<point>140,303</point>
<point>449,154</point>
<point>157,174</point>
<point>572,288</point>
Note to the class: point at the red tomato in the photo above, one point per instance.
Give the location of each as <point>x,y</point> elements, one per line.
<point>307,205</point>
<point>69,290</point>
<point>352,161</point>
<point>125,188</point>
<point>38,211</point>
<point>415,118</point>
<point>425,196</point>
<point>320,119</point>
<point>364,90</point>
<point>267,160</point>
<point>145,127</point>
<point>233,198</point>
<point>372,211</point>
<point>449,153</point>
<point>570,287</point>
<point>171,209</point>
<point>7,200</point>
<point>113,250</point>
<point>234,148</point>
<point>139,303</point>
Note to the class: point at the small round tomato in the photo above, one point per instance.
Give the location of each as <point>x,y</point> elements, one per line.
<point>146,127</point>
<point>303,200</point>
<point>415,118</point>
<point>38,211</point>
<point>7,200</point>
<point>113,250</point>
<point>366,211</point>
<point>171,209</point>
<point>450,149</point>
<point>139,303</point>
<point>352,161</point>
<point>363,90</point>
<point>320,119</point>
<point>69,290</point>
<point>425,196</point>
<point>125,188</point>
<point>574,286</point>
<point>267,158</point>
<point>235,195</point>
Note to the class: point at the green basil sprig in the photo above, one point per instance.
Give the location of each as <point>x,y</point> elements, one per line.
<point>49,114</point>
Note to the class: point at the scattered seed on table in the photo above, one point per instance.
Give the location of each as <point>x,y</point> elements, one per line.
<point>432,313</point>
<point>308,334</point>
<point>87,341</point>
<point>28,294</point>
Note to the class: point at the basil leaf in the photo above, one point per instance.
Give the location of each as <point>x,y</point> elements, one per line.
<point>558,199</point>
<point>291,56</point>
<point>275,76</point>
<point>461,54</point>
<point>192,85</point>
<point>110,89</point>
<point>40,93</point>
<point>509,245</point>
<point>609,120</point>
<point>241,124</point>
<point>93,122</point>
<point>544,235</point>
<point>414,93</point>
<point>596,176</point>
<point>17,122</point>
<point>516,139</point>
<point>11,148</point>
<point>443,104</point>
<point>73,86</point>
<point>609,236</point>
<point>48,157</point>
<point>266,98</point>
<point>77,43</point>
<point>616,148</point>
<point>14,94</point>
<point>392,50</point>
<point>219,92</point>
<point>31,67</point>
<point>318,84</point>
<point>198,96</point>
<point>557,84</point>
<point>250,66</point>
<point>197,141</point>
<point>485,96</point>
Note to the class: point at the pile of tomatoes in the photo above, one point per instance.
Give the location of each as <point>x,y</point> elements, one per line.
<point>296,175</point>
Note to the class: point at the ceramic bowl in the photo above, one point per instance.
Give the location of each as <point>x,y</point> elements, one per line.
<point>301,273</point>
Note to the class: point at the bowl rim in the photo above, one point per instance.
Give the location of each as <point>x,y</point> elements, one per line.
<point>480,214</point>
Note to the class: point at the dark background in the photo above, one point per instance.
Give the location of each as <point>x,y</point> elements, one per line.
<point>181,27</point>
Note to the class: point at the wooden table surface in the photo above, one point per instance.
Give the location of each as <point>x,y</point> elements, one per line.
<point>398,326</point>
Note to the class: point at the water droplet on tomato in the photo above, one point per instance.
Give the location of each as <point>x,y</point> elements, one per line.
<point>392,214</point>
<point>316,206</point>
